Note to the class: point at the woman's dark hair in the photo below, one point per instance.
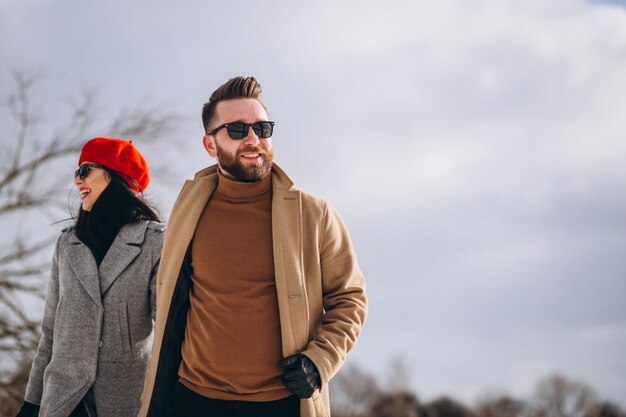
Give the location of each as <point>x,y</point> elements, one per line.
<point>117,205</point>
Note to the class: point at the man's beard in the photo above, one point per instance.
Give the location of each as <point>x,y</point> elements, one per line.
<point>233,165</point>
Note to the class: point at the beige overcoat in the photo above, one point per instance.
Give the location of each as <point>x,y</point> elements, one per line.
<point>320,289</point>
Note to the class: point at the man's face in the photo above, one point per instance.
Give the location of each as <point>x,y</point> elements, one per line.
<point>248,159</point>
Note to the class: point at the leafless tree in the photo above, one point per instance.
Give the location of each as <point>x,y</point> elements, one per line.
<point>447,407</point>
<point>396,404</point>
<point>501,406</point>
<point>353,392</point>
<point>34,176</point>
<point>12,392</point>
<point>605,409</point>
<point>557,396</point>
<point>398,378</point>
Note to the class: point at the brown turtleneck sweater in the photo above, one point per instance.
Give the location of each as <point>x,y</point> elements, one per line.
<point>232,339</point>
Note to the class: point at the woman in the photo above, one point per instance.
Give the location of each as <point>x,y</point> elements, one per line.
<point>98,317</point>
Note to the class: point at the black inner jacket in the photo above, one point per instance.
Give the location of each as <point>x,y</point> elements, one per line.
<point>166,378</point>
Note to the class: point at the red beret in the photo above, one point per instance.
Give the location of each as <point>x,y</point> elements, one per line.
<point>118,155</point>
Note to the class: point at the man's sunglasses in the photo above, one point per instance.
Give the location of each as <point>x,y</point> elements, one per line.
<point>239,130</point>
<point>83,171</point>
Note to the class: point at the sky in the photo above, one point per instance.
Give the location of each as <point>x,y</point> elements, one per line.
<point>474,149</point>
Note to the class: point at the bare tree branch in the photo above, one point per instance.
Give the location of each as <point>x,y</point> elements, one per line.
<point>22,250</point>
<point>32,188</point>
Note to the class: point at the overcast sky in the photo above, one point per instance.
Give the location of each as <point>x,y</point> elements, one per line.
<point>476,151</point>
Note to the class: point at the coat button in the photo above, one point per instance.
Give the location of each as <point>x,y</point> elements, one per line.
<point>100,344</point>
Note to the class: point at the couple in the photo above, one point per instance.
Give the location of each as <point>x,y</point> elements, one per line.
<point>254,289</point>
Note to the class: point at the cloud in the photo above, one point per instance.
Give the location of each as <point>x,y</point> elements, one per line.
<point>475,150</point>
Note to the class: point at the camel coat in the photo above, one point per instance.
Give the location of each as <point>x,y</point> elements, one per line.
<point>97,328</point>
<point>320,289</point>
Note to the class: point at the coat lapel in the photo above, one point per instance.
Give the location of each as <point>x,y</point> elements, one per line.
<point>181,227</point>
<point>125,248</point>
<point>84,265</point>
<point>288,269</point>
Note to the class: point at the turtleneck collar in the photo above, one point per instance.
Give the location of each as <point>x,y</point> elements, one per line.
<point>237,191</point>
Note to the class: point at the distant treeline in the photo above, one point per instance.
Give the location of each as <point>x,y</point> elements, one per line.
<point>357,394</point>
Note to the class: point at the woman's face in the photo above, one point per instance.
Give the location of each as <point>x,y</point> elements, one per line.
<point>92,185</point>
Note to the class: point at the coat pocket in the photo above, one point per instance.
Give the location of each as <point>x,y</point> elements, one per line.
<point>124,327</point>
<point>319,405</point>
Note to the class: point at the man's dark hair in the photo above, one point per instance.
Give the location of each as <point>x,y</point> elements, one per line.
<point>238,87</point>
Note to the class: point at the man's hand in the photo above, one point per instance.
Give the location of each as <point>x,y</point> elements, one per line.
<point>301,376</point>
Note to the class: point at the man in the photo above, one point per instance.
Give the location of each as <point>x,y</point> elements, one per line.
<point>259,295</point>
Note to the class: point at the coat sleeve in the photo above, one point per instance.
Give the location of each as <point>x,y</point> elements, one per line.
<point>153,282</point>
<point>156,260</point>
<point>344,299</point>
<point>34,389</point>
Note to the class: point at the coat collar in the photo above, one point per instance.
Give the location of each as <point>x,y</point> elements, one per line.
<point>131,233</point>
<point>125,248</point>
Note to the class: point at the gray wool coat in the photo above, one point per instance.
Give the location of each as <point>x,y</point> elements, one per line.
<point>97,327</point>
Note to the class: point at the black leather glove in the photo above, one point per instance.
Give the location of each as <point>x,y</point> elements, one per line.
<point>28,410</point>
<point>301,376</point>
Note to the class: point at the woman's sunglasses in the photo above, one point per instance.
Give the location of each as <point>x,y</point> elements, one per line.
<point>239,130</point>
<point>83,171</point>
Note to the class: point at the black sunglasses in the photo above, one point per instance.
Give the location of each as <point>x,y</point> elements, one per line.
<point>83,171</point>
<point>239,130</point>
